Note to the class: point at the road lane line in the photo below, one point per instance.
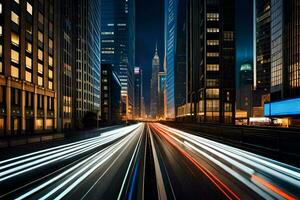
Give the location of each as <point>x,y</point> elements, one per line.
<point>159,179</point>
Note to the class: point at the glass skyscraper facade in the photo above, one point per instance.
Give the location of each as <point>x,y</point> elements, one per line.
<point>171,7</point>
<point>118,44</point>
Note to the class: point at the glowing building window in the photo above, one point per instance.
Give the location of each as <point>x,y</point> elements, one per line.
<point>212,16</point>
<point>40,36</point>
<point>28,47</point>
<point>50,74</point>
<point>0,30</point>
<point>40,81</point>
<point>15,39</point>
<point>28,62</point>
<point>212,93</point>
<point>213,30</point>
<point>40,55</point>
<point>15,18</point>
<point>14,71</point>
<point>50,85</point>
<point>50,61</point>
<point>213,67</point>
<point>15,56</point>
<point>40,68</point>
<point>212,42</point>
<point>28,76</point>
<point>212,54</point>
<point>29,8</point>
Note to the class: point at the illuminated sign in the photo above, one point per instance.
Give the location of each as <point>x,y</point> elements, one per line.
<point>282,108</point>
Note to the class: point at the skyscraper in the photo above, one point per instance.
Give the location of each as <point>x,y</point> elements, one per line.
<point>176,54</point>
<point>138,92</point>
<point>118,44</point>
<point>88,62</point>
<point>285,53</point>
<point>246,88</point>
<point>154,85</point>
<point>211,72</point>
<point>28,62</point>
<point>263,51</point>
<point>161,94</point>
<point>66,71</point>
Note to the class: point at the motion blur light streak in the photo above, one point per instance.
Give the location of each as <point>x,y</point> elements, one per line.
<point>250,169</point>
<point>218,183</point>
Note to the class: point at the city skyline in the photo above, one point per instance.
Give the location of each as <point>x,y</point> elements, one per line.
<point>145,100</point>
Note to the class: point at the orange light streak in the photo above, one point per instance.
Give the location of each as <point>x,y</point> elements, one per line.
<point>217,182</point>
<point>272,187</point>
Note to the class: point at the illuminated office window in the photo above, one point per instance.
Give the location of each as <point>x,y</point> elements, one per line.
<point>40,81</point>
<point>15,39</point>
<point>213,67</point>
<point>15,56</point>
<point>212,16</point>
<point>28,47</point>
<point>212,93</point>
<point>28,76</point>
<point>1,50</point>
<point>213,30</point>
<point>40,68</point>
<point>50,44</point>
<point>40,36</point>
<point>212,82</point>
<point>1,67</point>
<point>50,85</point>
<point>50,73</point>
<point>40,55</point>
<point>29,8</point>
<point>51,61</point>
<point>212,54</point>
<point>212,42</point>
<point>14,71</point>
<point>0,8</point>
<point>15,18</point>
<point>28,62</point>
<point>0,30</point>
<point>17,1</point>
<point>228,36</point>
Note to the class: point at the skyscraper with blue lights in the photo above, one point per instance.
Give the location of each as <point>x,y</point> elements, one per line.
<point>118,44</point>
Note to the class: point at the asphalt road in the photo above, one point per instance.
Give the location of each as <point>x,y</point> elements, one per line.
<point>144,161</point>
<point>109,166</point>
<point>193,167</point>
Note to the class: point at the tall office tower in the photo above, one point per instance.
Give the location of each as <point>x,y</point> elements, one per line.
<point>154,85</point>
<point>66,71</point>
<point>118,44</point>
<point>211,76</point>
<point>263,50</point>
<point>88,62</point>
<point>138,92</point>
<point>246,88</point>
<point>161,95</point>
<point>28,62</point>
<point>285,51</point>
<point>176,54</point>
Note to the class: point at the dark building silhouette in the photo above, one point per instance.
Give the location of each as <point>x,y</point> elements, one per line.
<point>110,96</point>
<point>211,71</point>
<point>245,91</point>
<point>138,92</point>
<point>262,77</point>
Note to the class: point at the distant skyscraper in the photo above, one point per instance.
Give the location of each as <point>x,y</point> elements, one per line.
<point>263,50</point>
<point>154,85</point>
<point>176,54</point>
<point>211,75</point>
<point>138,92</point>
<point>118,44</point>
<point>161,94</point>
<point>246,83</point>
<point>88,62</point>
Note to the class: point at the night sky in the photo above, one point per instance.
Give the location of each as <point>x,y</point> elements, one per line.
<point>150,28</point>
